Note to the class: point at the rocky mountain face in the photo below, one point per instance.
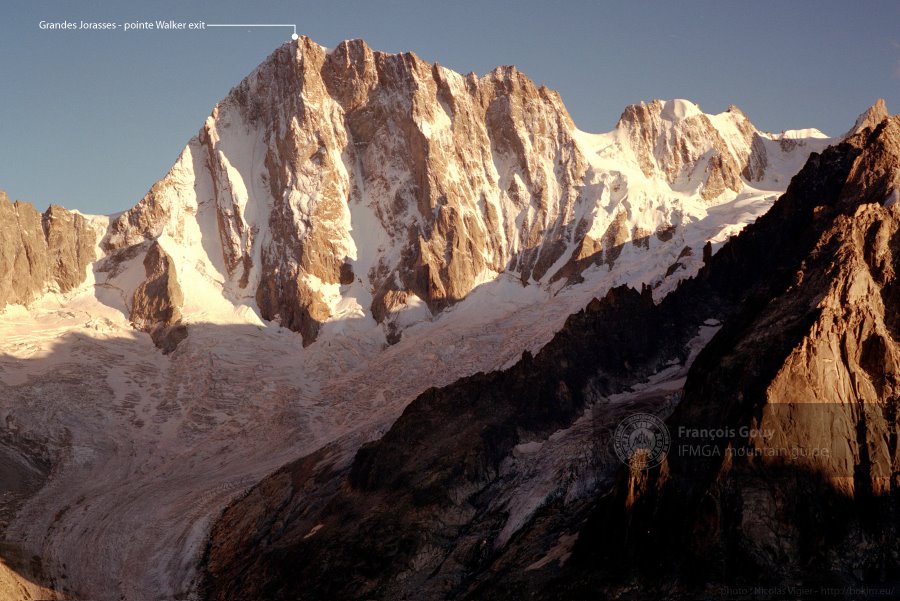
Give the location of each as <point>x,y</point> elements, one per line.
<point>155,307</point>
<point>503,485</point>
<point>870,118</point>
<point>349,176</point>
<point>41,252</point>
<point>651,127</point>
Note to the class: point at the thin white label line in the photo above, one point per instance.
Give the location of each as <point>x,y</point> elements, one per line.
<point>292,25</point>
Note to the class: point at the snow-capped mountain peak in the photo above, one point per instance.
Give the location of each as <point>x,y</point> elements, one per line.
<point>354,183</point>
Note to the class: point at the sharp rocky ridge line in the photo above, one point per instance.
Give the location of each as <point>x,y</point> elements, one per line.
<point>812,365</point>
<point>353,184</point>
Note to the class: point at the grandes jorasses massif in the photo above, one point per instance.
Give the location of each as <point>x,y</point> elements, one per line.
<point>250,362</point>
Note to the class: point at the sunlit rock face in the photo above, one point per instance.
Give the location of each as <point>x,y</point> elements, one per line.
<point>41,252</point>
<point>350,173</point>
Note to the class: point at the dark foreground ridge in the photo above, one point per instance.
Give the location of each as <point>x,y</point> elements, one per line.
<point>808,350</point>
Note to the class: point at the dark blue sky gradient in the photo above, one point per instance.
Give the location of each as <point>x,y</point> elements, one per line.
<point>91,119</point>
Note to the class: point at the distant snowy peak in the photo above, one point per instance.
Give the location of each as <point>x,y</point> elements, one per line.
<point>357,185</point>
<point>676,141</point>
<point>707,154</point>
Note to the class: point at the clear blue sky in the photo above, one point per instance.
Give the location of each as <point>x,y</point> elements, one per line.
<point>91,120</point>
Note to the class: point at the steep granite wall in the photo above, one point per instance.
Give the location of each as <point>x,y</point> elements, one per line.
<point>41,252</point>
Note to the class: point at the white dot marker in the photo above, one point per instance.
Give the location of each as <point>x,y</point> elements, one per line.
<point>294,36</point>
